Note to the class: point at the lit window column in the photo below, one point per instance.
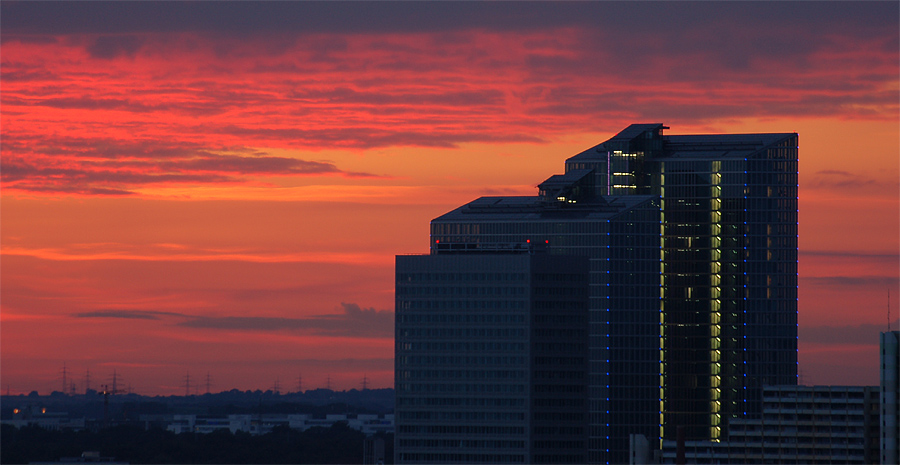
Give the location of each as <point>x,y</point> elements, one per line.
<point>715,303</point>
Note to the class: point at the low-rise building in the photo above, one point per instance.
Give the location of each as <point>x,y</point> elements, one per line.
<point>799,424</point>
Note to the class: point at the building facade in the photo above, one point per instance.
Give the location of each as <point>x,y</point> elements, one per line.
<point>890,397</point>
<point>692,249</point>
<point>620,238</point>
<point>728,207</point>
<point>491,358</point>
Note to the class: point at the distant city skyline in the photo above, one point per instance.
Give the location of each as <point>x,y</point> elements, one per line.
<point>222,187</point>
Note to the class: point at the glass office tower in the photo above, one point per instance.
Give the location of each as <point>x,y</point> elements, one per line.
<point>491,357</point>
<point>692,249</point>
<point>620,236</point>
<point>729,252</point>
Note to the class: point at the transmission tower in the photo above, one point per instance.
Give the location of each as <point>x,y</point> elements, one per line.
<point>87,381</point>
<point>208,382</point>
<point>65,383</point>
<point>365,383</point>
<point>299,384</point>
<point>276,388</point>
<point>187,384</point>
<point>115,382</point>
<point>328,382</point>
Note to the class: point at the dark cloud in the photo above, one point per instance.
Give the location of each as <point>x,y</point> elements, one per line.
<point>853,256</point>
<point>37,178</point>
<point>241,18</point>
<point>866,334</point>
<point>829,179</point>
<point>335,364</point>
<point>494,191</point>
<point>126,314</point>
<point>353,322</point>
<point>376,135</point>
<point>348,96</point>
<point>109,167</point>
<point>113,46</point>
<point>886,282</point>
<point>206,107</point>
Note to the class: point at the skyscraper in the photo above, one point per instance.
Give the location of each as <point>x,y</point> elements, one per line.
<point>728,207</point>
<point>491,362</point>
<point>692,246</point>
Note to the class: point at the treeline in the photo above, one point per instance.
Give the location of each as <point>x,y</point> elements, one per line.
<point>130,406</point>
<point>338,444</point>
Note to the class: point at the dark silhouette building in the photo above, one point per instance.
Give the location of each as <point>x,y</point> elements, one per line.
<point>692,249</point>
<point>728,207</point>
<point>491,358</point>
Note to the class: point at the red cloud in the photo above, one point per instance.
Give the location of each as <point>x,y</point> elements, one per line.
<point>182,107</point>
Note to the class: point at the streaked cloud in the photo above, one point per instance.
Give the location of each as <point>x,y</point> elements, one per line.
<point>353,322</point>
<point>886,282</point>
<point>125,252</point>
<point>126,314</point>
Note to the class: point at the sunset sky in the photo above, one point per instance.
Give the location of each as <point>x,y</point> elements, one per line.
<point>221,188</point>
